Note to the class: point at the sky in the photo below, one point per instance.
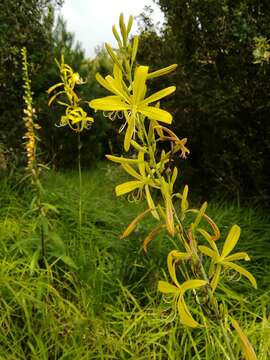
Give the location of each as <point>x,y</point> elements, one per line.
<point>91,20</point>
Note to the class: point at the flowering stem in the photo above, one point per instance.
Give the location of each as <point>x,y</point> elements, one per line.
<point>80,182</point>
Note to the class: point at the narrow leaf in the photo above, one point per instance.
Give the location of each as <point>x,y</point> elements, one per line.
<point>122,160</point>
<point>117,37</point>
<point>215,280</point>
<point>129,26</point>
<point>113,56</point>
<point>184,203</point>
<point>151,236</point>
<point>134,48</point>
<point>247,347</point>
<point>162,72</point>
<point>200,215</point>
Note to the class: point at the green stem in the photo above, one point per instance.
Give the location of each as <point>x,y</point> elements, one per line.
<point>80,182</point>
<point>210,295</point>
<point>43,254</point>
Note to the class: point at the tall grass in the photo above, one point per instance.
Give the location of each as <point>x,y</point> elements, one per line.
<point>108,306</point>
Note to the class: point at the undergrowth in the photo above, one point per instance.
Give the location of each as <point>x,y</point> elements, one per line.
<point>107,306</point>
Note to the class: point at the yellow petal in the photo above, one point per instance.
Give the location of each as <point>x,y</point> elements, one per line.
<point>54,87</point>
<point>154,113</point>
<point>231,240</point>
<point>129,132</point>
<point>117,74</point>
<point>141,164</point>
<point>127,187</point>
<point>129,169</point>
<point>213,226</point>
<point>109,103</point>
<point>247,347</point>
<point>150,202</point>
<point>104,83</point>
<point>168,208</point>
<point>167,288</point>
<point>185,315</point>
<point>207,251</point>
<point>169,215</point>
<point>116,85</point>
<point>192,284</point>
<point>242,271</point>
<point>158,95</point>
<point>171,268</point>
<point>209,238</point>
<point>238,256</point>
<point>139,83</point>
<point>54,97</point>
<point>215,280</point>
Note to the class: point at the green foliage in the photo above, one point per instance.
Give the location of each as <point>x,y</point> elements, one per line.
<point>30,24</point>
<point>107,307</point>
<point>25,24</point>
<point>154,177</point>
<point>222,97</point>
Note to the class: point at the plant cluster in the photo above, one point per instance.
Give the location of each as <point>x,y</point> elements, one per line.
<point>197,264</point>
<point>75,117</point>
<point>197,260</point>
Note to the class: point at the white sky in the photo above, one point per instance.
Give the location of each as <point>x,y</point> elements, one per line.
<point>92,20</point>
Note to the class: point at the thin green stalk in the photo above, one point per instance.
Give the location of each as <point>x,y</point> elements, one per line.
<point>210,295</point>
<point>80,182</point>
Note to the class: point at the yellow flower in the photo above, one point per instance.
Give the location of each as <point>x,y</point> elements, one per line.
<point>143,180</point>
<point>225,259</point>
<point>76,118</point>
<point>178,290</point>
<point>132,104</point>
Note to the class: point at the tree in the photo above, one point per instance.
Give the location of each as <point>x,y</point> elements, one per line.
<point>26,23</point>
<point>222,99</point>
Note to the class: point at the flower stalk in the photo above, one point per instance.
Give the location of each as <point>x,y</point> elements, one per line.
<point>154,178</point>
<point>31,145</point>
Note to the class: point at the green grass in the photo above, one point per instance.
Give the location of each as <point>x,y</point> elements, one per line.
<point>108,306</point>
